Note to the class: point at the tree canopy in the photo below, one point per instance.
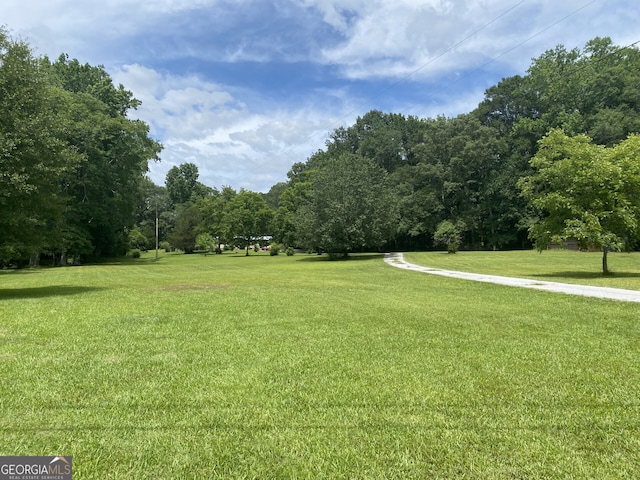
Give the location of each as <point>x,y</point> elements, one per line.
<point>35,159</point>
<point>351,207</point>
<point>72,162</point>
<point>73,168</point>
<point>585,192</point>
<point>247,217</point>
<point>464,170</point>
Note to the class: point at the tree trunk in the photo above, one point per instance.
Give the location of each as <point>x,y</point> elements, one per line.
<point>34,260</point>
<point>605,264</point>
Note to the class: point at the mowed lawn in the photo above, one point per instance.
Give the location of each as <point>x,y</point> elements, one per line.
<point>551,265</point>
<point>195,367</point>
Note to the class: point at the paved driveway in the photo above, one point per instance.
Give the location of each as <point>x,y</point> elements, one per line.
<point>397,260</point>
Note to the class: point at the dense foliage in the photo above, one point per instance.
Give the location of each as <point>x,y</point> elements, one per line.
<point>72,163</point>
<point>589,193</point>
<point>465,170</point>
<point>34,158</point>
<point>350,206</point>
<point>73,169</point>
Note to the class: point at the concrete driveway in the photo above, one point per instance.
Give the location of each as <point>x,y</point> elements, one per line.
<point>397,260</point>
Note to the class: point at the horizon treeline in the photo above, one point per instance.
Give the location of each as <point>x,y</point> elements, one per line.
<point>73,166</point>
<point>396,182</point>
<point>462,170</point>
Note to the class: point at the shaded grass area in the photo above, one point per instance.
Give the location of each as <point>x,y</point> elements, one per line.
<point>43,292</point>
<point>295,367</point>
<point>553,265</point>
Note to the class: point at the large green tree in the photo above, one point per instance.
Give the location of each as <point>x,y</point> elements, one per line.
<point>181,182</point>
<point>73,163</point>
<point>247,217</point>
<point>104,188</point>
<point>350,208</point>
<point>585,192</point>
<point>34,160</point>
<point>212,211</point>
<point>187,227</point>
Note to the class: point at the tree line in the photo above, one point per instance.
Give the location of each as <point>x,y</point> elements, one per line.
<point>399,182</point>
<point>546,157</point>
<point>73,169</point>
<point>72,163</point>
<point>192,216</point>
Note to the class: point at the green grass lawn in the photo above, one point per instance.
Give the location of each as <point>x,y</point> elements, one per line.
<point>297,367</point>
<point>552,265</point>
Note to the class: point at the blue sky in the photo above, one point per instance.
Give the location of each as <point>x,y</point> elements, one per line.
<point>246,88</point>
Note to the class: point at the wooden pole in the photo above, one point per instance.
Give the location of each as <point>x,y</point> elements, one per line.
<point>156,230</point>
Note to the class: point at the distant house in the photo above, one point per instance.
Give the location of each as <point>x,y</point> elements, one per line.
<point>568,245</point>
<point>572,244</point>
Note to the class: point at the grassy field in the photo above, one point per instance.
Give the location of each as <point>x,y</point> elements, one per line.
<point>195,367</point>
<point>551,265</point>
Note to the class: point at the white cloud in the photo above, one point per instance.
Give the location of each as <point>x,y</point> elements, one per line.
<point>394,39</point>
<point>232,143</point>
<point>184,59</point>
<point>374,38</point>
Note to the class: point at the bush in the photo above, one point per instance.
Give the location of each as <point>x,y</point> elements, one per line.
<point>290,251</point>
<point>204,243</point>
<point>275,249</point>
<point>450,234</point>
<point>135,253</point>
<point>137,240</point>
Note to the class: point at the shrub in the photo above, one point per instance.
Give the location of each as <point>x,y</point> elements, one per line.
<point>137,240</point>
<point>135,253</point>
<point>275,249</point>
<point>450,234</point>
<point>290,251</point>
<point>204,242</point>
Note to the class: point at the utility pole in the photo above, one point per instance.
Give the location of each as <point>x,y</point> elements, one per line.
<point>156,229</point>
